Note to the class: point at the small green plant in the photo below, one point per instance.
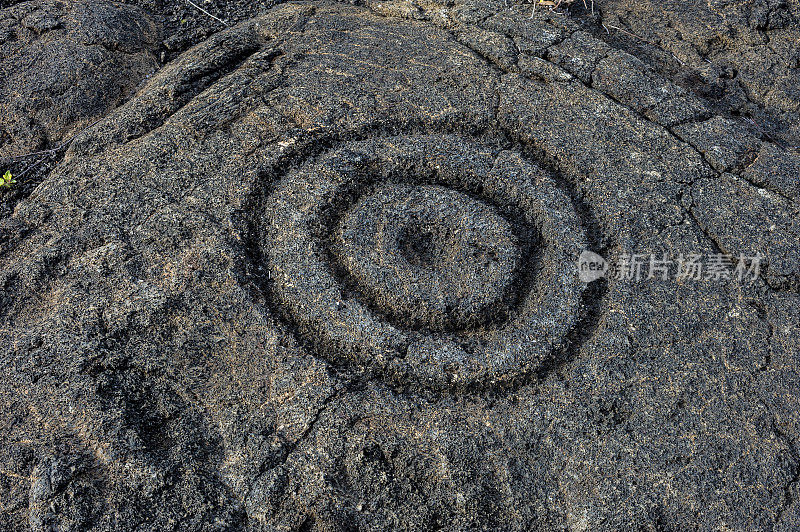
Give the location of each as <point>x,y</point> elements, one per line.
<point>7,181</point>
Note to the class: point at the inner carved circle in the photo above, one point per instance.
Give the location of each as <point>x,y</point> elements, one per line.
<point>429,256</point>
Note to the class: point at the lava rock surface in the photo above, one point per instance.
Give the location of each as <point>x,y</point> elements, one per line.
<point>199,328</point>
<point>65,64</point>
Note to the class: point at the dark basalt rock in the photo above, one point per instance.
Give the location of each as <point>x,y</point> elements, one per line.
<point>743,56</point>
<point>65,64</point>
<point>199,327</point>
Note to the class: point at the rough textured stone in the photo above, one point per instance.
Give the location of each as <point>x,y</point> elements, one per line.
<point>743,56</point>
<point>163,371</point>
<point>66,64</point>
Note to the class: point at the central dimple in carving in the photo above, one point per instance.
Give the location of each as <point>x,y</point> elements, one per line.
<point>429,256</point>
<point>421,246</point>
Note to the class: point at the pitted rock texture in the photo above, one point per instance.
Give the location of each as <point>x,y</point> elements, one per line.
<point>159,373</point>
<point>743,56</point>
<point>65,64</point>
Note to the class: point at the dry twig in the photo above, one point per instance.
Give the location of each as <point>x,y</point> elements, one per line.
<point>206,12</point>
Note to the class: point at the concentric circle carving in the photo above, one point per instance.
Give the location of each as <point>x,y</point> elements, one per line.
<point>426,256</point>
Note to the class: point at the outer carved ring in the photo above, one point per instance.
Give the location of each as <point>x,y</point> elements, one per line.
<point>330,307</point>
